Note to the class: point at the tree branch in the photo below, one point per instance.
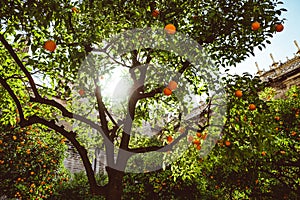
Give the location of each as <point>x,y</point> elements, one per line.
<point>13,96</point>
<point>151,93</point>
<point>164,148</point>
<point>185,65</point>
<point>20,64</point>
<point>168,147</point>
<point>101,110</point>
<point>71,136</point>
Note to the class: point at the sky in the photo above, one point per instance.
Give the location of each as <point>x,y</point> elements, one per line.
<point>282,44</point>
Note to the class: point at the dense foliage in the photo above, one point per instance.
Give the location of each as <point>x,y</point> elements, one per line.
<point>44,44</point>
<point>30,162</point>
<point>257,156</point>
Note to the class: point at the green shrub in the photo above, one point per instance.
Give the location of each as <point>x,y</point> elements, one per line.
<point>78,188</point>
<point>31,162</point>
<point>159,185</point>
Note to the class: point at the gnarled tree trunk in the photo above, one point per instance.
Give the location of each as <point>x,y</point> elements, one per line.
<point>114,187</point>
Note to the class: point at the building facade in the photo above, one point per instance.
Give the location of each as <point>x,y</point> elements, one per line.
<point>282,76</point>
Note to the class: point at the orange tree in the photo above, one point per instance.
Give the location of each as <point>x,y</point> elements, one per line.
<point>258,155</point>
<point>30,162</point>
<point>46,74</point>
<point>30,157</point>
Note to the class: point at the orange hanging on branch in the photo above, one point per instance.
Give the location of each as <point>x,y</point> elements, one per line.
<point>170,29</point>
<point>255,26</point>
<point>279,27</point>
<point>155,13</point>
<point>172,85</point>
<point>238,93</point>
<point>167,91</point>
<point>50,45</point>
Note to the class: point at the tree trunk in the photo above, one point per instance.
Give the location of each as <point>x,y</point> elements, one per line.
<point>114,186</point>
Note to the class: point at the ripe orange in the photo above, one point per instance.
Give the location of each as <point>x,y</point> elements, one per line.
<point>263,153</point>
<point>238,93</point>
<point>75,10</point>
<point>172,85</point>
<point>169,139</point>
<point>255,26</point>
<point>1,141</point>
<point>252,106</point>
<point>199,135</point>
<point>190,138</point>
<point>170,29</point>
<point>293,133</point>
<point>155,13</point>
<point>227,143</point>
<point>167,91</point>
<point>181,129</point>
<point>28,151</point>
<point>204,136</point>
<point>198,147</point>
<point>50,45</point>
<point>277,118</point>
<point>197,142</point>
<point>279,27</point>
<point>81,92</point>
<point>32,173</point>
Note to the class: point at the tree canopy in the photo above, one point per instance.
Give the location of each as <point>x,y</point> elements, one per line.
<point>57,55</point>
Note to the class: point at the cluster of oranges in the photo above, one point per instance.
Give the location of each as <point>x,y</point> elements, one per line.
<point>169,28</point>
<point>239,94</point>
<point>256,25</point>
<point>168,91</point>
<point>196,141</point>
<point>170,138</point>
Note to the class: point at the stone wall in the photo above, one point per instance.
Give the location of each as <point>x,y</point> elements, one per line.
<point>74,163</point>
